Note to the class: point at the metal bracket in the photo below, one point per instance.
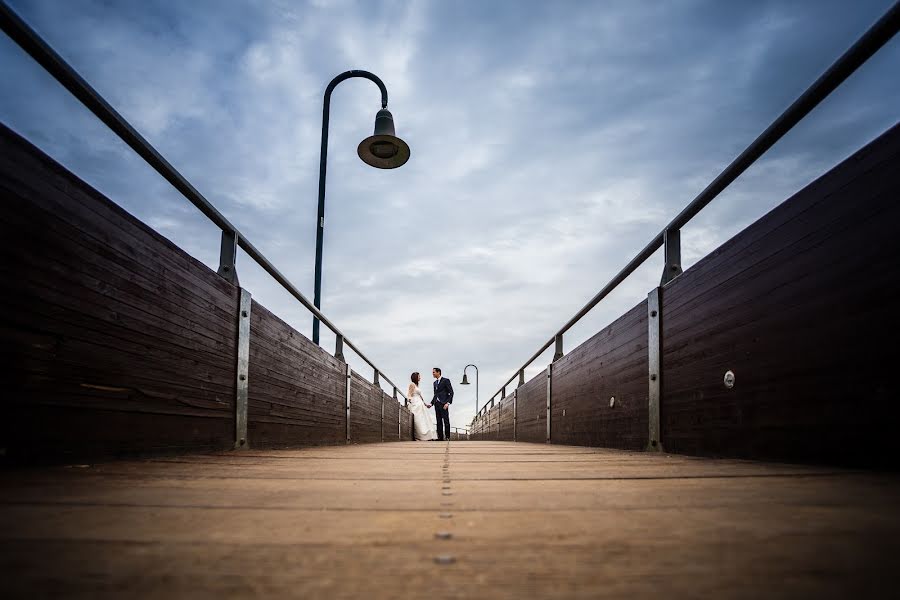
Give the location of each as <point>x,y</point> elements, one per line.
<point>375,380</point>
<point>339,348</point>
<point>672,243</point>
<point>399,412</point>
<point>559,348</point>
<point>654,355</point>
<point>549,395</point>
<point>516,416</point>
<point>228,257</point>
<point>349,382</point>
<point>521,378</point>
<point>503,393</point>
<point>242,369</point>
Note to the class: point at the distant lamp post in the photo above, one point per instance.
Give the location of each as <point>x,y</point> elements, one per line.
<point>465,381</point>
<point>383,150</point>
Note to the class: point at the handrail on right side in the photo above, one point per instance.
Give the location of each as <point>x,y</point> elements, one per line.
<point>871,41</point>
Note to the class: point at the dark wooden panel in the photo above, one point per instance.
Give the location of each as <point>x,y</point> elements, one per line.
<point>296,389</point>
<point>406,424</point>
<point>391,419</point>
<point>532,409</point>
<point>611,364</point>
<point>116,342</point>
<point>802,307</point>
<point>365,411</point>
<point>505,419</point>
<point>113,340</point>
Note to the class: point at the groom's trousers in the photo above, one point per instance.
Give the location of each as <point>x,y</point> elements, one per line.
<point>442,420</point>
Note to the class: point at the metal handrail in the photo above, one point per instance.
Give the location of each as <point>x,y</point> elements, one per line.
<point>23,35</point>
<point>866,46</point>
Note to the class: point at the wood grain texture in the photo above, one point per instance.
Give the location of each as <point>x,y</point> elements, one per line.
<point>296,389</point>
<point>525,521</point>
<point>801,306</point>
<point>407,433</point>
<point>610,365</point>
<point>115,342</point>
<point>532,409</point>
<point>505,419</point>
<point>365,411</point>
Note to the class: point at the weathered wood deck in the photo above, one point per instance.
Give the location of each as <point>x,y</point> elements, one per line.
<point>525,520</point>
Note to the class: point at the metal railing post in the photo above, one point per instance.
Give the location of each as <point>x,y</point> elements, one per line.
<point>521,378</point>
<point>655,374</point>
<point>549,396</point>
<point>503,392</point>
<point>558,354</point>
<point>399,415</point>
<point>339,347</point>
<point>228,256</point>
<point>242,370</point>
<point>349,383</point>
<point>382,414</point>
<point>375,380</point>
<point>516,416</point>
<point>672,249</point>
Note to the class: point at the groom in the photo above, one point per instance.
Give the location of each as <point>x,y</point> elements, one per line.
<point>443,397</point>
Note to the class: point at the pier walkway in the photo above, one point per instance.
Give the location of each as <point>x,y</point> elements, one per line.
<point>438,520</point>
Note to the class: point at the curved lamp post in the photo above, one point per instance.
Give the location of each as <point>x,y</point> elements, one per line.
<point>383,150</point>
<point>465,381</point>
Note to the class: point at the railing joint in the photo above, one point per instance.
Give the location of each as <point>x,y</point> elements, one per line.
<point>672,251</point>
<point>339,348</point>
<point>228,256</point>
<point>559,347</point>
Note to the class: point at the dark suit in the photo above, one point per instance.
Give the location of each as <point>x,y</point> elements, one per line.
<point>443,397</point>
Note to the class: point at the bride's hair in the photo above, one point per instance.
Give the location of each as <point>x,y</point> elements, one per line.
<point>414,378</point>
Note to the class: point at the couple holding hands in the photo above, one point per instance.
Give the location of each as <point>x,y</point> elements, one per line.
<point>423,422</point>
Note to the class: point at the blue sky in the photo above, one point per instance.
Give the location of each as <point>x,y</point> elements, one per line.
<point>550,141</point>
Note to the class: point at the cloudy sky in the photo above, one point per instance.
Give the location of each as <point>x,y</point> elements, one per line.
<point>550,141</point>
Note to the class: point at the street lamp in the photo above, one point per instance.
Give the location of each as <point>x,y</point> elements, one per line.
<point>383,150</point>
<point>465,381</point>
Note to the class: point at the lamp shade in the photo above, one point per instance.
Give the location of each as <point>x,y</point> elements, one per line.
<point>384,150</point>
<point>465,380</point>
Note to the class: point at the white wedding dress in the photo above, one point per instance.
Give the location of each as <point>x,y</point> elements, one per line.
<point>423,417</point>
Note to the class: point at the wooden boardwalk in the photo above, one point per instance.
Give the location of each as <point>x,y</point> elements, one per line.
<point>437,520</point>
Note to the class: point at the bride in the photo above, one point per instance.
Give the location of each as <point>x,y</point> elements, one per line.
<point>423,419</point>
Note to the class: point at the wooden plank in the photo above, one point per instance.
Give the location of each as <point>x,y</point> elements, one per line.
<point>30,174</point>
<point>532,409</point>
<point>800,306</point>
<point>296,388</point>
<point>111,332</point>
<point>525,521</point>
<point>612,364</point>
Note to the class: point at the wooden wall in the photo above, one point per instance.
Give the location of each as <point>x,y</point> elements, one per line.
<point>115,342</point>
<point>505,424</point>
<point>532,410</point>
<point>406,425</point>
<point>611,364</point>
<point>296,390</point>
<point>800,306</point>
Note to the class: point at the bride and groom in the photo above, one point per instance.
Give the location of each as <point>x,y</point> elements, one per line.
<point>423,422</point>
